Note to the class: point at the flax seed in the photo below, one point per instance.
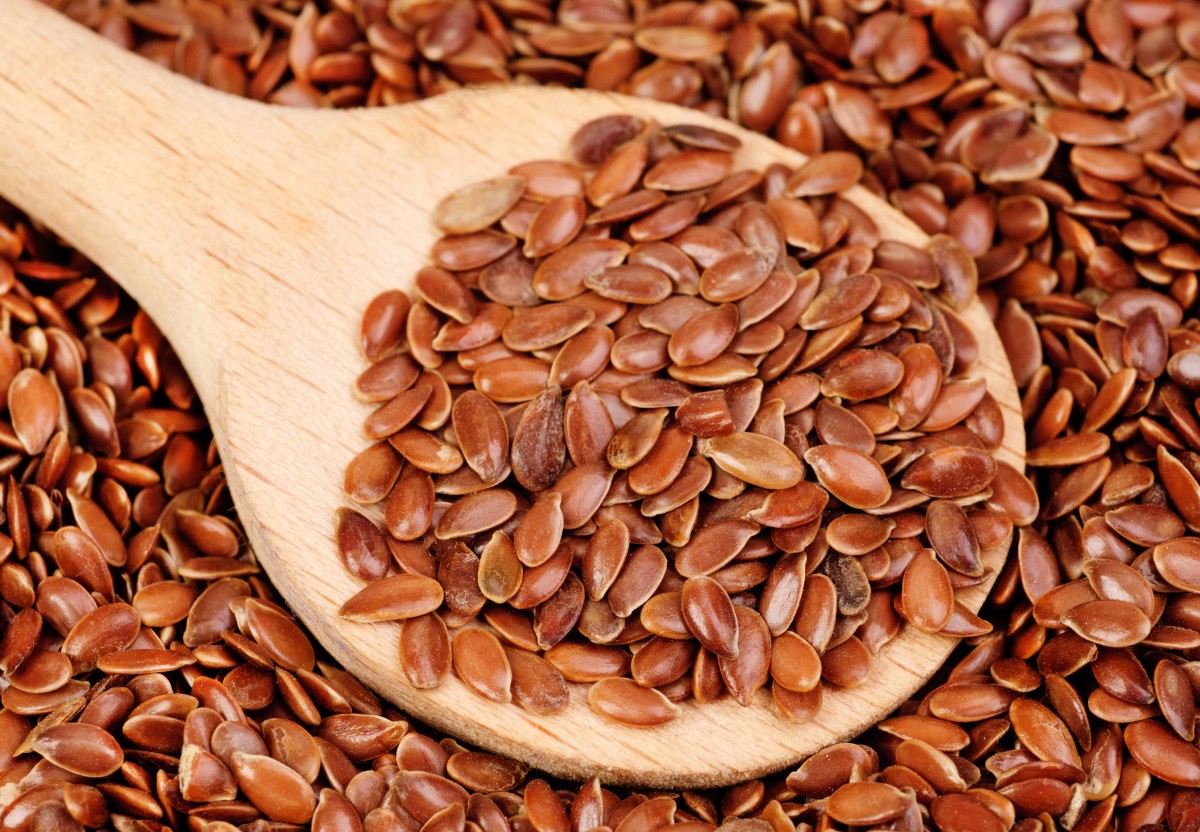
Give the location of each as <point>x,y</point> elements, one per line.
<point>956,141</point>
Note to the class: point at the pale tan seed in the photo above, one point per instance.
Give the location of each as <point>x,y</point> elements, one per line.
<point>477,206</point>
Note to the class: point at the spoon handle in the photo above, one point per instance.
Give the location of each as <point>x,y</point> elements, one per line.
<point>144,171</point>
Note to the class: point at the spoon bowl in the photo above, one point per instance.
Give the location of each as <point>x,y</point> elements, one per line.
<point>254,236</point>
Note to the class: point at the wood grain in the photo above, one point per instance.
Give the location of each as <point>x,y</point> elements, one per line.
<point>255,236</point>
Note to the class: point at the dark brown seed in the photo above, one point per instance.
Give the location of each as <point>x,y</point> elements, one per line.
<point>745,674</point>
<point>537,452</point>
<point>710,616</point>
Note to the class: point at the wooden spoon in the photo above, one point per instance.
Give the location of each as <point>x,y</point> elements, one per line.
<point>256,235</point>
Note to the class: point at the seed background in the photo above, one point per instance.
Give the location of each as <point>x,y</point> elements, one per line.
<point>1055,141</point>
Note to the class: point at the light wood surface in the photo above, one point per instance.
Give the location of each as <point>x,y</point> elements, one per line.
<point>255,236</point>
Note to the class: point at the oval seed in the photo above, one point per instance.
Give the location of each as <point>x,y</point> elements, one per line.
<point>81,749</point>
<point>628,703</point>
<point>853,477</point>
<point>710,616</point>
<point>795,665</point>
<point>394,598</point>
<point>479,205</point>
<point>754,459</point>
<point>480,661</point>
